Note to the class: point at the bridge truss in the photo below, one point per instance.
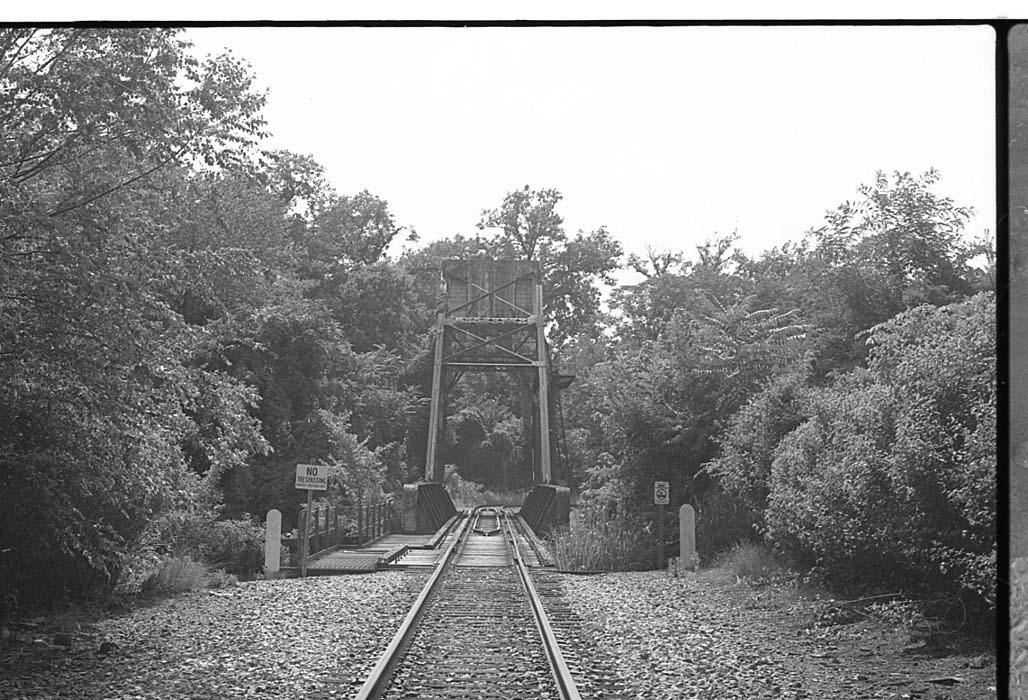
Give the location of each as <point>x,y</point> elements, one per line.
<point>490,319</point>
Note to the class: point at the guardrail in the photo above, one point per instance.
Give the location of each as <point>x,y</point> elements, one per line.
<point>342,526</point>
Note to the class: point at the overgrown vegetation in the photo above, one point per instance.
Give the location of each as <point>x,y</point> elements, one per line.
<point>175,575</point>
<point>602,544</point>
<point>833,399</point>
<point>469,494</point>
<point>752,562</point>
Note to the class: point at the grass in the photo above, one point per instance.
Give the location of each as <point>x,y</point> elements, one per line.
<point>749,561</point>
<point>175,575</point>
<point>594,543</point>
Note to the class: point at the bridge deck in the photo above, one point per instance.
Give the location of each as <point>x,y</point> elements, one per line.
<point>371,557</point>
<point>412,551</point>
<point>397,548</point>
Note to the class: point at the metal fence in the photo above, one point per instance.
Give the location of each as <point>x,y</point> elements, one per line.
<point>343,526</point>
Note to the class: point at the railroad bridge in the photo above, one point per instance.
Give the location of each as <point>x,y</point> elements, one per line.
<point>489,590</point>
<point>490,318</point>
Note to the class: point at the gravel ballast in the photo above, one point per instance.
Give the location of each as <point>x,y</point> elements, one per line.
<point>642,635</point>
<point>263,639</point>
<point>703,636</point>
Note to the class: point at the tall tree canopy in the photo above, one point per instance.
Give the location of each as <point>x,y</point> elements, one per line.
<point>100,400</point>
<point>182,316</point>
<point>528,227</point>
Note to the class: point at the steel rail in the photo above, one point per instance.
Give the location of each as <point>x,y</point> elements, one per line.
<point>380,674</point>
<point>478,518</point>
<point>561,673</point>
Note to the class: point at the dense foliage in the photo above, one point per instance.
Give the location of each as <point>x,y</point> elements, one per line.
<point>835,397</point>
<point>893,470</point>
<point>184,317</point>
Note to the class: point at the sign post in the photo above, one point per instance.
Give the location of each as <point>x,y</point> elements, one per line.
<point>661,491</point>
<point>313,478</point>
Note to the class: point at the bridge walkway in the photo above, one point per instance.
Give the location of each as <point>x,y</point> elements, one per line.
<point>383,551</point>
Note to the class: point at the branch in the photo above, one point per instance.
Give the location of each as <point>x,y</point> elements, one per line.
<point>43,159</point>
<point>119,186</point>
<point>104,140</point>
<point>857,601</point>
<point>10,64</point>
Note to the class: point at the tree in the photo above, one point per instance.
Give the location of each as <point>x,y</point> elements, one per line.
<point>896,246</point>
<point>103,404</point>
<point>745,344</point>
<point>528,222</point>
<point>644,310</point>
<point>529,228</point>
<point>658,263</point>
<point>349,231</point>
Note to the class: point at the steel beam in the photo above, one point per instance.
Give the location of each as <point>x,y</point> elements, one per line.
<point>434,471</point>
<point>546,471</point>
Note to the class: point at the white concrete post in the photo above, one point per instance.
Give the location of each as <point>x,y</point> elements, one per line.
<point>687,537</point>
<point>272,541</point>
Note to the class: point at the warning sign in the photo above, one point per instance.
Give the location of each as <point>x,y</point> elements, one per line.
<point>312,476</point>
<point>660,493</point>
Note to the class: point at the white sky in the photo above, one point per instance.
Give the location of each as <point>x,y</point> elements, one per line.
<point>665,135</point>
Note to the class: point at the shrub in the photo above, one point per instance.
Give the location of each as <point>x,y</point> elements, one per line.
<point>63,533</point>
<point>891,478</point>
<point>237,546</point>
<point>832,503</point>
<point>748,444</point>
<point>234,545</point>
<point>722,521</point>
<point>943,362</point>
<point>176,532</point>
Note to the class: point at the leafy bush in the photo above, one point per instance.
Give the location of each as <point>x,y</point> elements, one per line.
<point>748,444</point>
<point>722,521</point>
<point>943,363</point>
<point>891,478</point>
<point>62,535</point>
<point>831,500</point>
<point>237,546</point>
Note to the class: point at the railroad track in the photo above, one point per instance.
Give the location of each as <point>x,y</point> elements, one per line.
<point>478,629</point>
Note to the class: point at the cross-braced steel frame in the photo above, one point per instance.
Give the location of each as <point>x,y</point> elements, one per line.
<point>490,319</point>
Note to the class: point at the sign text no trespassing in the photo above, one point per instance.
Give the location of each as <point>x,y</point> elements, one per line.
<point>312,476</point>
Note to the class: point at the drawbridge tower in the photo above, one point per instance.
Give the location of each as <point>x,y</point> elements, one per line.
<point>490,319</point>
